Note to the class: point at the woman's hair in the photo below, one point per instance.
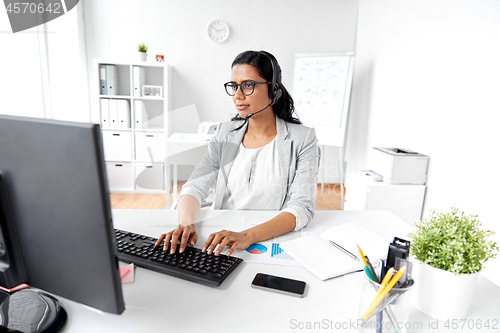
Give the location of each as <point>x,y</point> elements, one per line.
<point>261,60</point>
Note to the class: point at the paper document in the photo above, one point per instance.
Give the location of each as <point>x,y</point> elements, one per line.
<point>324,260</point>
<point>270,251</point>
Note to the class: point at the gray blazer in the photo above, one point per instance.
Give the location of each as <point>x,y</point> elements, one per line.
<point>298,158</point>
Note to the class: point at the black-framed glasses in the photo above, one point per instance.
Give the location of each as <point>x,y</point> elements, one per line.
<point>247,87</point>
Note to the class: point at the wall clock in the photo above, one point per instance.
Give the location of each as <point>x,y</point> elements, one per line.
<point>218,31</point>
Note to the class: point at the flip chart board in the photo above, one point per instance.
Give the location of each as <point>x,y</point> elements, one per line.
<point>321,93</point>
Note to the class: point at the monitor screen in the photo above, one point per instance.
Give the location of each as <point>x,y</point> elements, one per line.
<point>55,177</point>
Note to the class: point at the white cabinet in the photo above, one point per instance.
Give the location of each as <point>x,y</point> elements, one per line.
<point>149,146</point>
<point>134,127</point>
<point>149,176</point>
<point>120,176</point>
<point>117,146</point>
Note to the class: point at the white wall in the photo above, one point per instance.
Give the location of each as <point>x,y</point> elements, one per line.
<point>43,74</point>
<point>177,29</point>
<point>20,90</point>
<point>427,79</point>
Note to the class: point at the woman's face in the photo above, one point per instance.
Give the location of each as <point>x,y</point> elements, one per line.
<point>260,97</point>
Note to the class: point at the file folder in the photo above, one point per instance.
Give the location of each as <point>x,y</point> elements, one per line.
<point>139,79</point>
<point>112,79</point>
<point>102,77</point>
<point>104,112</point>
<point>140,115</point>
<point>113,113</point>
<point>123,111</point>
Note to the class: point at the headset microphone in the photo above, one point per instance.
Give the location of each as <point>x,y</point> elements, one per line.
<point>276,97</point>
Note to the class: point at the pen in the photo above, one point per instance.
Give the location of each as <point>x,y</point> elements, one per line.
<point>344,250</point>
<point>372,271</point>
<point>367,270</point>
<point>384,292</point>
<point>385,280</point>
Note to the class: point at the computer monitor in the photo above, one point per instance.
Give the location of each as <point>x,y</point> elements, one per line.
<point>55,179</point>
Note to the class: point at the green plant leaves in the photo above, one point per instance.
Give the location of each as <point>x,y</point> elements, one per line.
<point>142,48</point>
<point>453,241</point>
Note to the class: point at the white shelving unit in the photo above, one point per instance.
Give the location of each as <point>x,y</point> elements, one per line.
<point>134,152</point>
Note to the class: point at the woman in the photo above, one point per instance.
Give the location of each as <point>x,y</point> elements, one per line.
<point>263,159</point>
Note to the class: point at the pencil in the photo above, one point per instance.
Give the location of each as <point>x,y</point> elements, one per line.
<point>384,283</point>
<point>384,292</point>
<point>362,256</point>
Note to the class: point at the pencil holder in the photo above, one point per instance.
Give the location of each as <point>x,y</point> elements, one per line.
<point>391,313</point>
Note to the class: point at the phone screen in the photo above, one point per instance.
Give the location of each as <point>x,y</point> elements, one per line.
<point>279,284</point>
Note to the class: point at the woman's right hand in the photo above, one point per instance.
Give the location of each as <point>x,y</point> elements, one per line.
<point>185,233</point>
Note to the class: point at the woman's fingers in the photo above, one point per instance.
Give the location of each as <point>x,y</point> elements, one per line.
<point>236,240</point>
<point>162,237</point>
<point>183,233</point>
<point>231,250</point>
<point>215,241</point>
<point>225,242</point>
<point>187,234</point>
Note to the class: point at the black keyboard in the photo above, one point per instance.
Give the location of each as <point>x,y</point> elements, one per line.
<point>192,264</point>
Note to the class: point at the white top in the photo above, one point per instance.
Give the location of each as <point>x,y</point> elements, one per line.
<point>254,181</point>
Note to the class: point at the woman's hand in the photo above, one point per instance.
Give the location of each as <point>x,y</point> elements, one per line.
<point>236,240</point>
<point>186,233</point>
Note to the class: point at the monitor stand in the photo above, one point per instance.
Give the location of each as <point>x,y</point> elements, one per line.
<point>31,310</point>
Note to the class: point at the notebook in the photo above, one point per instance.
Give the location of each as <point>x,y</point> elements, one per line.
<point>326,261</point>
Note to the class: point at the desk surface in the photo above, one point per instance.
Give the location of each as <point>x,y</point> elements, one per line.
<point>157,302</point>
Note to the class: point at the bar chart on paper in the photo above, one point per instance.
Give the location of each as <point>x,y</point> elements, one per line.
<point>277,252</point>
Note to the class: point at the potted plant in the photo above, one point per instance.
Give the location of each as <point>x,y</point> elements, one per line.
<point>450,249</point>
<point>142,48</point>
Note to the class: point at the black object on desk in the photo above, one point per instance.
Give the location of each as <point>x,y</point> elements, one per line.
<point>31,310</point>
<point>192,265</point>
<point>399,248</point>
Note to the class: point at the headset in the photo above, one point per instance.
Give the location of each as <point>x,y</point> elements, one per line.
<point>274,92</point>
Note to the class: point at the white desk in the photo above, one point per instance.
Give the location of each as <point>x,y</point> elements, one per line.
<point>183,149</point>
<point>160,303</point>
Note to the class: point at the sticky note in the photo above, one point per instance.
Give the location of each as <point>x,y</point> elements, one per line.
<point>128,273</point>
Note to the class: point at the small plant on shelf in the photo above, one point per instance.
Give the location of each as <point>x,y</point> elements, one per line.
<point>142,48</point>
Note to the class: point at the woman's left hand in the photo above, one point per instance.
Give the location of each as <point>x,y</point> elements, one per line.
<point>236,240</point>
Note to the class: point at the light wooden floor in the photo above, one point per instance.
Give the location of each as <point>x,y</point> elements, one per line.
<point>330,199</point>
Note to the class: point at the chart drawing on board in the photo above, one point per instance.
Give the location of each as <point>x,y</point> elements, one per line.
<point>320,88</point>
<point>321,93</point>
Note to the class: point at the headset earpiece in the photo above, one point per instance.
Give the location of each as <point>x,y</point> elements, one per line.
<point>277,95</point>
<point>274,92</point>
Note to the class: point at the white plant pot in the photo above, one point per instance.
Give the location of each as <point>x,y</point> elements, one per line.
<point>443,295</point>
<point>143,56</point>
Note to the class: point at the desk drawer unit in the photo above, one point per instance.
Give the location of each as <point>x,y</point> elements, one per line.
<point>149,176</point>
<point>117,145</point>
<point>120,176</point>
<point>154,141</point>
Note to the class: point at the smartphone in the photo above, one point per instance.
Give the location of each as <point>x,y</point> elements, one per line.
<point>279,284</point>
